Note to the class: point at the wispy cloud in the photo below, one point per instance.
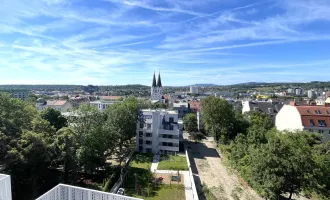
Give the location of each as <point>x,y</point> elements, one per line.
<point>113,42</point>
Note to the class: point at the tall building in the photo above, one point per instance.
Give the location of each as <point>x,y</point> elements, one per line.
<point>17,94</point>
<point>159,133</point>
<point>311,94</point>
<point>156,89</point>
<point>193,89</point>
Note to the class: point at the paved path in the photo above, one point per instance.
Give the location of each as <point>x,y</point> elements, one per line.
<point>154,164</point>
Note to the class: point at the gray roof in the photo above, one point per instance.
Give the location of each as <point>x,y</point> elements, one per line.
<point>264,106</point>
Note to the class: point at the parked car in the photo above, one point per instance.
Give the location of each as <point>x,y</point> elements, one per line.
<point>121,191</point>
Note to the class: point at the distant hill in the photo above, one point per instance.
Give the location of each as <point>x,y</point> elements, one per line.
<point>251,83</point>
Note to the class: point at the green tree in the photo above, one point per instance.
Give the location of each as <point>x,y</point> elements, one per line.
<point>54,117</point>
<point>218,117</point>
<point>190,122</point>
<point>65,145</point>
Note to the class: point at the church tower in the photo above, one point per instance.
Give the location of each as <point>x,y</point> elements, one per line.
<point>156,88</point>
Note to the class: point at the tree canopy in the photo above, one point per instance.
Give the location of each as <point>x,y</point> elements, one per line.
<point>190,122</point>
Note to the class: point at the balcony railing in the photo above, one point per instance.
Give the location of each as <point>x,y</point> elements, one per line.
<point>5,187</point>
<point>169,132</point>
<point>68,192</point>
<point>173,140</point>
<point>169,148</point>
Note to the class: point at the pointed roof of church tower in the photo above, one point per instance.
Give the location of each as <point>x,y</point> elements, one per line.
<point>154,81</point>
<point>159,82</point>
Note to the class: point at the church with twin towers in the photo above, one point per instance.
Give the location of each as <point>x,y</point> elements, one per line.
<point>157,89</point>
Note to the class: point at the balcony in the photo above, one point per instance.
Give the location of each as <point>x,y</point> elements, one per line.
<point>67,192</point>
<point>173,140</point>
<point>169,132</point>
<point>5,187</point>
<point>169,148</point>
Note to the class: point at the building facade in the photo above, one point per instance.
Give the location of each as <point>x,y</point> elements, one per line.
<point>193,89</point>
<point>60,105</point>
<point>17,94</point>
<point>156,89</point>
<point>194,106</point>
<point>309,118</point>
<point>181,107</point>
<point>158,133</point>
<point>270,108</point>
<point>104,102</point>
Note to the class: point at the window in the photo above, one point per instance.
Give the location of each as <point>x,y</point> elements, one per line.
<point>141,125</point>
<point>318,112</point>
<point>328,112</point>
<point>148,134</point>
<point>171,119</point>
<point>171,127</point>
<point>148,126</point>
<point>140,148</point>
<point>321,123</point>
<point>140,142</point>
<point>311,122</point>
<point>148,150</point>
<point>148,142</point>
<point>140,133</point>
<point>308,111</point>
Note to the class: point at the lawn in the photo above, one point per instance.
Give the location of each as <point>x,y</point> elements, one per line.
<point>165,192</point>
<point>141,160</point>
<point>169,162</point>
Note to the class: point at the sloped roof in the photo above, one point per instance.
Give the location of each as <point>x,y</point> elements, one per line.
<point>110,97</point>
<point>56,103</point>
<point>314,114</point>
<point>264,106</point>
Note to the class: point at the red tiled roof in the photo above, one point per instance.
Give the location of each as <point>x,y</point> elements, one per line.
<point>110,97</point>
<point>313,110</point>
<point>165,96</point>
<point>314,114</point>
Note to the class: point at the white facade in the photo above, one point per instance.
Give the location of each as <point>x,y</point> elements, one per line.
<point>5,187</point>
<point>68,192</point>
<point>100,105</point>
<point>311,94</point>
<point>159,133</point>
<point>156,89</point>
<point>194,89</point>
<point>299,91</point>
<point>288,119</point>
<point>60,105</point>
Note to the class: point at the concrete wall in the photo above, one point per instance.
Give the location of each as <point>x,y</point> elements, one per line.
<point>5,187</point>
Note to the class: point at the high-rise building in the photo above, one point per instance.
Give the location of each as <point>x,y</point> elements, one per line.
<point>193,89</point>
<point>159,132</point>
<point>156,88</point>
<point>311,94</point>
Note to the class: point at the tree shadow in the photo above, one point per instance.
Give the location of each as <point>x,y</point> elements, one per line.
<point>143,157</point>
<point>201,151</point>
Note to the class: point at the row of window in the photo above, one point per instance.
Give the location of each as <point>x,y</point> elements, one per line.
<point>321,123</point>
<point>318,112</point>
<point>320,131</point>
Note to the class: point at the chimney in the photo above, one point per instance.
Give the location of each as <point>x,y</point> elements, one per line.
<point>293,103</point>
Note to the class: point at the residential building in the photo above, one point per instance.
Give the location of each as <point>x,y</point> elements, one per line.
<point>299,91</point>
<point>104,102</point>
<point>311,94</point>
<point>156,89</point>
<point>291,90</point>
<point>194,105</point>
<point>5,187</point>
<point>309,118</point>
<point>200,126</point>
<point>193,89</point>
<point>60,105</point>
<point>181,107</point>
<point>17,94</point>
<point>268,107</point>
<point>159,132</point>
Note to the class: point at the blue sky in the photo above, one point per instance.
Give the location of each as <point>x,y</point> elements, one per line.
<point>115,42</point>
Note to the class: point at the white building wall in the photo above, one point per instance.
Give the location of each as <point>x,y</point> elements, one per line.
<point>194,89</point>
<point>5,187</point>
<point>246,107</point>
<point>288,118</point>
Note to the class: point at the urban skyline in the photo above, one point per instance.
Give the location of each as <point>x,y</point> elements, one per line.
<point>116,42</point>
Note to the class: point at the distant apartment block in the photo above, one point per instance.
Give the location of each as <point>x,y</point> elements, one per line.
<point>104,102</point>
<point>5,187</point>
<point>159,133</point>
<point>193,89</point>
<point>17,94</point>
<point>60,105</point>
<point>309,118</point>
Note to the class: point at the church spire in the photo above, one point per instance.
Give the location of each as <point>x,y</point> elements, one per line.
<point>159,82</point>
<point>154,81</point>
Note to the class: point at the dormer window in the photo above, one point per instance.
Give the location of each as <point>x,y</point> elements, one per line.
<point>321,123</point>
<point>318,112</point>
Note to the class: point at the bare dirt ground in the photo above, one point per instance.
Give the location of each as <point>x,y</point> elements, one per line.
<point>167,178</point>
<point>223,183</point>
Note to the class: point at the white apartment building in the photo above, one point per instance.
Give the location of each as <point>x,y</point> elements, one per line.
<point>309,118</point>
<point>194,89</point>
<point>159,133</point>
<point>104,102</point>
